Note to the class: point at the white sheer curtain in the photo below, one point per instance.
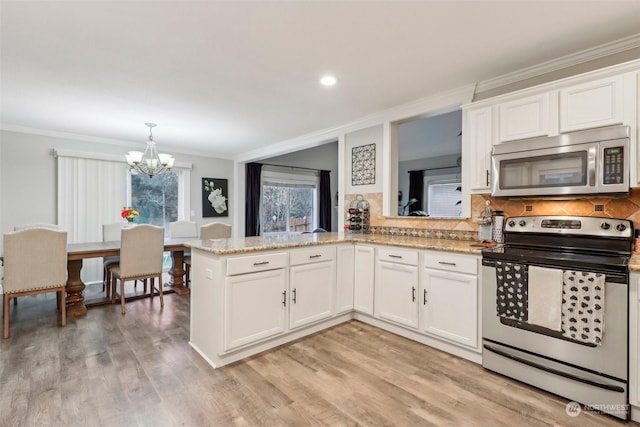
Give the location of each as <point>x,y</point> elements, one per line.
<point>92,189</point>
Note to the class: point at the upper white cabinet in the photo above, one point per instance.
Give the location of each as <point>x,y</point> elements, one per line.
<point>592,104</point>
<point>476,146</point>
<point>528,117</point>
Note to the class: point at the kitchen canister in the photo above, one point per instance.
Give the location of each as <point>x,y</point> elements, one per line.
<point>497,226</point>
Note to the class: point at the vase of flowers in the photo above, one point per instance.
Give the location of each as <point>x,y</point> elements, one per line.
<point>129,213</point>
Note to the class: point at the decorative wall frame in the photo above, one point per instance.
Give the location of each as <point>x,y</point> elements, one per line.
<point>363,165</point>
<point>214,197</point>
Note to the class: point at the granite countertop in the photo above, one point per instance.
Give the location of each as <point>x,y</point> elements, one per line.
<point>244,245</point>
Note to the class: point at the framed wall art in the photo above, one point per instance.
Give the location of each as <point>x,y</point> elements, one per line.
<point>363,165</point>
<point>214,197</point>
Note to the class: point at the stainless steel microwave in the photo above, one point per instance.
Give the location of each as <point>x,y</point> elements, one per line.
<point>590,162</point>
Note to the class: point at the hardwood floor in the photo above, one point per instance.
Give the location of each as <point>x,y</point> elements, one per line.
<point>138,370</point>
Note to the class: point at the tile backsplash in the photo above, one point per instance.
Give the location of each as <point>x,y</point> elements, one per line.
<point>625,207</point>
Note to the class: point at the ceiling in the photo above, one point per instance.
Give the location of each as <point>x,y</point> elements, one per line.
<point>223,78</point>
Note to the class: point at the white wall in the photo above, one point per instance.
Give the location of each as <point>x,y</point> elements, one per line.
<point>28,177</point>
<point>371,135</point>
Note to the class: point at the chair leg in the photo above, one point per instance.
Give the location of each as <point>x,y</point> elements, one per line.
<point>153,287</point>
<point>5,315</point>
<point>63,306</point>
<point>114,283</point>
<point>107,284</point>
<point>122,296</point>
<point>160,291</point>
<point>187,270</point>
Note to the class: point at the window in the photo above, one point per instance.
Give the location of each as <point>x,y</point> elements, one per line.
<point>156,198</point>
<point>444,199</point>
<point>289,202</point>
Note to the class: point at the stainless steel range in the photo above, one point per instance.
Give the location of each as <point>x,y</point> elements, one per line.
<point>555,307</point>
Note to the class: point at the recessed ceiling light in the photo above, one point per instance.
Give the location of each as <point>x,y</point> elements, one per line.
<point>328,80</point>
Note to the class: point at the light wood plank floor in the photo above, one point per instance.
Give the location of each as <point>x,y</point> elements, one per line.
<point>138,370</point>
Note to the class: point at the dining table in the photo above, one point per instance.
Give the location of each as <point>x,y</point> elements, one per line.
<point>77,252</point>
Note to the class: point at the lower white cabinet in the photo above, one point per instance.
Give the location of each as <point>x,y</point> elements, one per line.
<point>345,275</point>
<point>363,278</point>
<point>396,290</point>
<point>311,292</point>
<point>254,307</point>
<point>449,305</point>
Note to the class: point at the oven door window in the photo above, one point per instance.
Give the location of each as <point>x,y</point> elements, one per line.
<point>553,170</point>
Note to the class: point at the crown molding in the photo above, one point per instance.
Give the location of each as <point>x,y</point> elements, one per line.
<point>577,58</point>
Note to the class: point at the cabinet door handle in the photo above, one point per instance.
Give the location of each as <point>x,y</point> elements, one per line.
<point>453,264</point>
<point>315,256</point>
<point>425,297</point>
<point>260,263</point>
<point>487,177</point>
<point>294,295</point>
<point>284,298</point>
<point>395,256</point>
<point>413,294</point>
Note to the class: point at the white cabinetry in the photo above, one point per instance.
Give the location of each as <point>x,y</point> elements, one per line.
<point>449,297</point>
<point>345,278</point>
<point>396,286</point>
<point>312,285</point>
<point>528,117</point>
<point>363,279</point>
<point>476,146</point>
<point>592,104</point>
<point>254,302</point>
<point>634,339</point>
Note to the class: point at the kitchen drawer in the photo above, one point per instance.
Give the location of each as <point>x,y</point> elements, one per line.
<point>450,262</point>
<point>399,256</point>
<point>253,263</point>
<point>313,254</point>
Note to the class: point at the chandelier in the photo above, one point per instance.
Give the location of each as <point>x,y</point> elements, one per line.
<point>150,162</point>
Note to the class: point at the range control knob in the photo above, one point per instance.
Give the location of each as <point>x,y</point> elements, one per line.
<point>605,226</point>
<point>522,223</point>
<point>621,227</point>
<point>511,223</point>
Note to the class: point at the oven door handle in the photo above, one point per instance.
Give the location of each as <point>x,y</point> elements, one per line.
<point>555,371</point>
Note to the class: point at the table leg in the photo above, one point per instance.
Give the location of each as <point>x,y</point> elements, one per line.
<point>75,289</point>
<point>176,273</point>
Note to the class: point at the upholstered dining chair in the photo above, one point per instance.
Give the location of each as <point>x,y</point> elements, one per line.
<point>182,229</point>
<point>215,230</point>
<point>110,233</point>
<point>36,225</point>
<point>141,249</point>
<point>35,262</point>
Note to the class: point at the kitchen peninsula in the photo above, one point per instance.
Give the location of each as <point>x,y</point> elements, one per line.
<point>255,293</point>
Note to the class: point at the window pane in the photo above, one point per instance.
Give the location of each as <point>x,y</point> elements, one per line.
<point>156,198</point>
<point>444,200</point>
<point>274,208</point>
<point>301,209</point>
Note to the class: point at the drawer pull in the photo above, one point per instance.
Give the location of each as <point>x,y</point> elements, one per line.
<point>284,298</point>
<point>314,256</point>
<point>453,264</point>
<point>395,256</point>
<point>413,294</point>
<point>294,296</point>
<point>255,264</point>
<point>425,297</point>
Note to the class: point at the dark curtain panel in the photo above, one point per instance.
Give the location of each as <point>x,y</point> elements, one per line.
<point>416,190</point>
<point>252,200</point>
<point>325,200</point>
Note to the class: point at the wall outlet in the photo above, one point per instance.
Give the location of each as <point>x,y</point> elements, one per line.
<point>528,208</point>
<point>598,208</point>
<point>208,273</point>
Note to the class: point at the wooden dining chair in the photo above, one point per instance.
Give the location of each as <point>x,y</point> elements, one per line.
<point>35,262</point>
<point>141,253</point>
<point>183,229</point>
